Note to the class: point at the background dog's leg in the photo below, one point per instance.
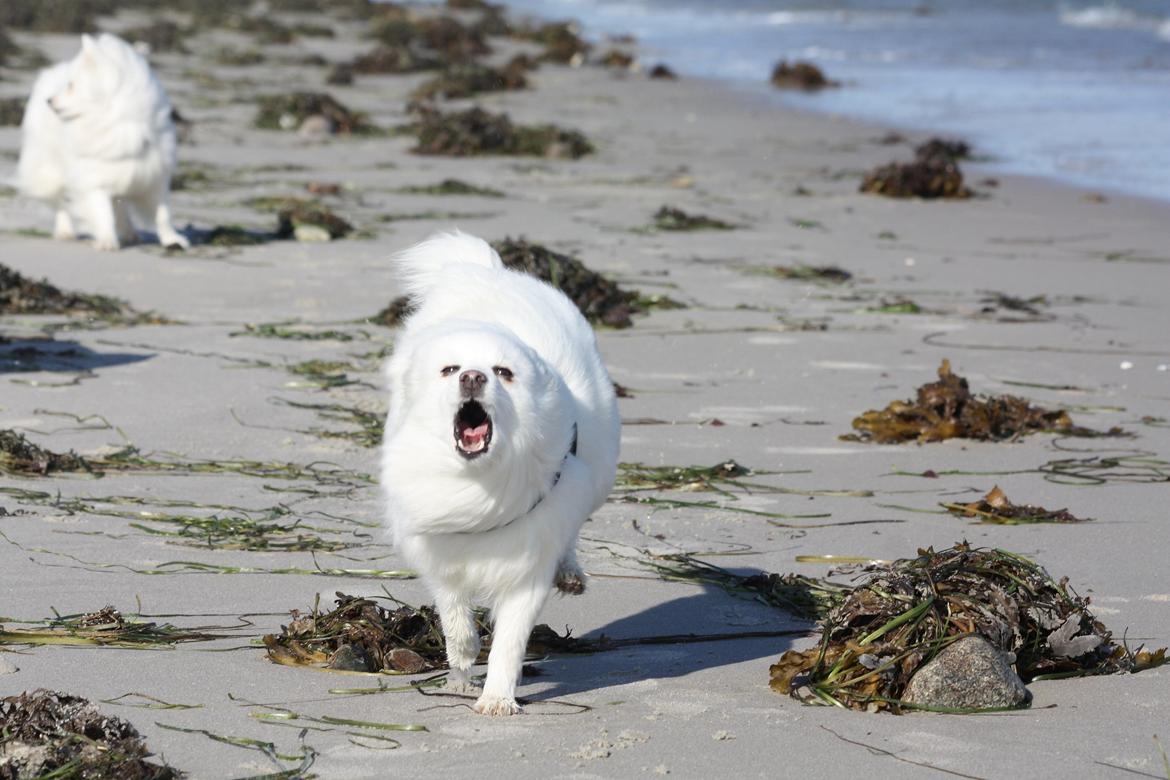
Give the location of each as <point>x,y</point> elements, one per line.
<point>167,235</point>
<point>462,639</point>
<point>63,225</point>
<point>102,220</point>
<point>125,229</point>
<point>159,205</point>
<point>514,619</point>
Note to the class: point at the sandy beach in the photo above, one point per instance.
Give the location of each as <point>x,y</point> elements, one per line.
<point>764,371</point>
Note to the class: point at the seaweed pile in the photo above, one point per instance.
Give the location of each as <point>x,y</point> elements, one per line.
<point>159,35</point>
<point>54,16</point>
<point>392,59</point>
<point>996,509</point>
<point>599,299</point>
<point>446,38</point>
<point>21,295</point>
<point>478,132</point>
<point>946,409</point>
<point>11,109</point>
<point>53,734</point>
<point>471,78</point>
<point>934,173</point>
<point>105,628</point>
<point>671,218</point>
<point>20,456</point>
<point>452,187</point>
<point>307,220</point>
<point>907,611</point>
<point>561,40</point>
<point>812,273</point>
<point>289,112</point>
<point>359,635</point>
<point>800,75</point>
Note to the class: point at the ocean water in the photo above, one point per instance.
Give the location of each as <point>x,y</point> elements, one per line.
<point>1078,92</point>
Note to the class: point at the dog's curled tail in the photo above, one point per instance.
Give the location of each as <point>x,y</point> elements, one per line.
<point>424,265</point>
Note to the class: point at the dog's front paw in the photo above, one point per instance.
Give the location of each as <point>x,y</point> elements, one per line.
<point>570,580</point>
<point>497,705</point>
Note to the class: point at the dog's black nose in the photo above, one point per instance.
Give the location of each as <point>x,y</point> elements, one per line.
<point>471,383</point>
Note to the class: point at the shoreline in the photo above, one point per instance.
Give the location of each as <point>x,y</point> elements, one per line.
<point>758,369</point>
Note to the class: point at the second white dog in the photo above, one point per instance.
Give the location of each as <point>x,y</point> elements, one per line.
<point>502,437</point>
<point>98,137</point>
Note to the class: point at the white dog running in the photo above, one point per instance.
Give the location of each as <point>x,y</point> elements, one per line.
<point>98,137</point>
<point>502,437</point>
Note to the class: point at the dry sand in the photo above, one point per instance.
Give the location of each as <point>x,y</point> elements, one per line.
<point>783,365</point>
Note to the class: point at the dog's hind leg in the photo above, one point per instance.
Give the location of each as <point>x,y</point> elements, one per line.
<point>158,205</point>
<point>102,220</point>
<point>462,639</point>
<point>122,224</point>
<point>514,618</point>
<point>63,229</point>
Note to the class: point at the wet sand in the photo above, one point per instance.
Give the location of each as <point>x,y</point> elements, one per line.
<point>764,371</point>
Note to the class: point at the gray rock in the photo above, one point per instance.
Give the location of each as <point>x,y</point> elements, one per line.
<point>970,674</point>
<point>351,658</point>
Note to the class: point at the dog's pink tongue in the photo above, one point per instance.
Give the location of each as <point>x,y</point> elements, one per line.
<point>472,436</point>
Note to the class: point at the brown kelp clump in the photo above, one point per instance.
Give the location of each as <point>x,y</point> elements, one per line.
<point>359,635</point>
<point>444,37</point>
<point>996,508</point>
<point>307,220</point>
<point>478,132</point>
<point>947,409</point>
<point>471,78</point>
<point>800,75</point>
<point>385,58</point>
<point>907,611</point>
<point>561,40</point>
<point>671,218</point>
<point>53,734</point>
<point>159,35</point>
<point>54,16</point>
<point>18,455</point>
<point>289,112</point>
<point>21,295</point>
<point>598,298</point>
<point>11,111</point>
<point>812,273</point>
<point>934,173</point>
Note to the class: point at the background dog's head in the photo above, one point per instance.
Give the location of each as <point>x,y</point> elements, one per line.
<point>103,73</point>
<point>472,396</point>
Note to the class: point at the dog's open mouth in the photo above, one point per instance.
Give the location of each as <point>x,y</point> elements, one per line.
<point>473,430</point>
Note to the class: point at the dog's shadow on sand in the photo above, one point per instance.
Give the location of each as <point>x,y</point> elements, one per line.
<point>712,612</point>
<point>51,355</point>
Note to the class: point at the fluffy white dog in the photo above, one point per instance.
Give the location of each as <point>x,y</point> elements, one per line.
<point>98,137</point>
<point>502,437</point>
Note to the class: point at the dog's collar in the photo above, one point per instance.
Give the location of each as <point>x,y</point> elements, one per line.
<point>556,478</point>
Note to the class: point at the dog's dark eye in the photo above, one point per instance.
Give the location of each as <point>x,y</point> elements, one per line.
<point>448,370</point>
<point>503,373</point>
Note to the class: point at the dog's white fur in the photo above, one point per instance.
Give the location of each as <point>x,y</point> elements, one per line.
<point>498,529</point>
<point>98,137</point>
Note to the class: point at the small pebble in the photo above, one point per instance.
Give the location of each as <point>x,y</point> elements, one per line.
<point>1126,365</point>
